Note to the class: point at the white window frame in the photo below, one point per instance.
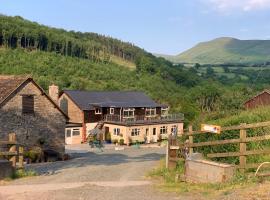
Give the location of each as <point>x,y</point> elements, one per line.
<point>164,111</point>
<point>152,112</point>
<point>163,130</point>
<point>70,133</point>
<point>135,132</point>
<point>111,111</point>
<point>98,111</point>
<point>116,131</point>
<point>75,130</point>
<point>129,110</point>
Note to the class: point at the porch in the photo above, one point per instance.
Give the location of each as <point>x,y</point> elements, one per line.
<point>142,119</point>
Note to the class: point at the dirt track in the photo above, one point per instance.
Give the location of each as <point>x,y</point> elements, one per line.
<point>108,175</point>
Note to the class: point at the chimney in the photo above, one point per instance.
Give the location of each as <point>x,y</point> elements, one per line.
<point>54,93</point>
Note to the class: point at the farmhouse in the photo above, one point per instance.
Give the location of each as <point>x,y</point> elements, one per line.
<point>262,99</point>
<point>130,116</point>
<point>27,111</point>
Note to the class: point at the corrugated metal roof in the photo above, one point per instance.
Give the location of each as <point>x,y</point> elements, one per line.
<point>87,100</point>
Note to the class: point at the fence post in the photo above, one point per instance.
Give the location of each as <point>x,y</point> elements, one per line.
<point>190,139</point>
<point>12,140</point>
<point>168,152</point>
<point>243,148</point>
<point>20,157</point>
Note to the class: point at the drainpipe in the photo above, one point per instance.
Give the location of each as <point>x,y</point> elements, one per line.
<point>121,114</point>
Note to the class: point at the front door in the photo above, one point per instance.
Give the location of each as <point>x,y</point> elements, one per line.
<point>154,135</point>
<point>107,134</point>
<point>148,137</point>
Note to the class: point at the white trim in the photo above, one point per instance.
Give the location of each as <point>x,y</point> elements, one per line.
<point>150,110</point>
<point>111,111</point>
<point>136,132</point>
<point>98,111</point>
<point>129,110</point>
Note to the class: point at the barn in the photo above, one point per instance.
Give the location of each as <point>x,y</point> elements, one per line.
<point>261,99</point>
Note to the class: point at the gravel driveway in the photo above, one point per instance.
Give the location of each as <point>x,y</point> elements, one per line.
<point>92,175</point>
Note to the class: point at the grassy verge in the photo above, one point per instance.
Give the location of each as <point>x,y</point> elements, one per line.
<point>169,183</point>
<point>22,173</point>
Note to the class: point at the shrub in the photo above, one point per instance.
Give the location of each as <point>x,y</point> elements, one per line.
<point>251,116</point>
<point>121,141</point>
<point>115,141</point>
<point>23,173</point>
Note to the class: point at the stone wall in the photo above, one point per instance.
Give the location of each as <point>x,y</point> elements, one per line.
<point>6,169</point>
<point>47,123</point>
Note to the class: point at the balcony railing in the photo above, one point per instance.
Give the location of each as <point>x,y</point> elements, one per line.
<point>139,119</point>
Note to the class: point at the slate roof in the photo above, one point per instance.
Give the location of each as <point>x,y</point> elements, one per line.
<point>8,84</point>
<point>87,100</point>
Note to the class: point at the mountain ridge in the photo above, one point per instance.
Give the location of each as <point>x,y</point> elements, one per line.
<point>225,50</point>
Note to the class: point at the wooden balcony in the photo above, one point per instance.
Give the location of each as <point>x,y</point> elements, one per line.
<point>117,119</point>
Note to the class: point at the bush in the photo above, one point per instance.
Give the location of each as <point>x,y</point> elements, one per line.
<point>121,141</point>
<point>23,173</point>
<point>251,116</point>
<point>115,141</point>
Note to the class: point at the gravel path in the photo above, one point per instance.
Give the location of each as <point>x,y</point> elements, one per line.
<point>89,175</point>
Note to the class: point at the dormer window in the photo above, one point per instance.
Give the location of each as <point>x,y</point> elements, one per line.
<point>111,111</point>
<point>164,111</point>
<point>128,112</point>
<point>98,111</point>
<point>150,112</point>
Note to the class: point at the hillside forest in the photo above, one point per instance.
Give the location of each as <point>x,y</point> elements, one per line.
<point>90,61</point>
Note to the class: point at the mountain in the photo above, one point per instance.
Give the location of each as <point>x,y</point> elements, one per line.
<point>226,50</point>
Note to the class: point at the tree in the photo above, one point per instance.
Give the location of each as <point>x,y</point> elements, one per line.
<point>210,72</point>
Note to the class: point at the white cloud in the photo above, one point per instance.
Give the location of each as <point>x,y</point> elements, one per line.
<point>240,5</point>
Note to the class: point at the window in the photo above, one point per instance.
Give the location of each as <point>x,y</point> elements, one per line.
<point>164,111</point>
<point>163,130</point>
<point>174,130</point>
<point>98,111</point>
<point>150,111</point>
<point>75,132</point>
<point>111,111</point>
<point>116,131</point>
<point>28,104</point>
<point>135,132</point>
<point>68,133</point>
<point>128,112</point>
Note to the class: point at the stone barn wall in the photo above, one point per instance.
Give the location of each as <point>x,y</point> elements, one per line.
<point>47,122</point>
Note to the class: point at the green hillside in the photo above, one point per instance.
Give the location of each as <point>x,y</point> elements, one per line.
<point>226,50</point>
<point>90,61</point>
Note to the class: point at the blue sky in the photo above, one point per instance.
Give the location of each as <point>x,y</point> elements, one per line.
<point>159,26</point>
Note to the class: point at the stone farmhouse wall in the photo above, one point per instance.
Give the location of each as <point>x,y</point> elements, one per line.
<point>47,123</point>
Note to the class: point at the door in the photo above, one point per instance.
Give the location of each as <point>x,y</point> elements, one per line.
<point>148,138</point>
<point>107,134</point>
<point>154,135</point>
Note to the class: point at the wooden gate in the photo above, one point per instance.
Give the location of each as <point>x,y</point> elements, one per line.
<point>242,140</point>
<point>12,151</point>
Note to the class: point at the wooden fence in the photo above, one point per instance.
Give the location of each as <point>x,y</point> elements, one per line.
<point>174,146</point>
<point>11,150</point>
